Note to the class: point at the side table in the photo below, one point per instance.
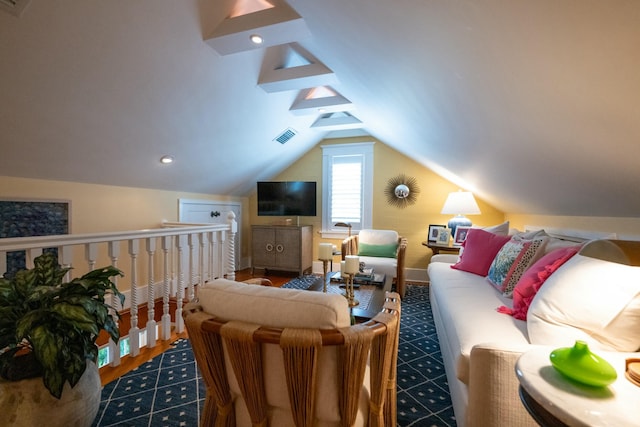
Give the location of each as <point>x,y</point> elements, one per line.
<point>554,400</point>
<point>437,248</point>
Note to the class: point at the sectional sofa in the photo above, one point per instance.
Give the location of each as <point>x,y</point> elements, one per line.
<point>505,295</point>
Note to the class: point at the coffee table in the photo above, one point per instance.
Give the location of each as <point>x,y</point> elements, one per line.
<point>375,294</point>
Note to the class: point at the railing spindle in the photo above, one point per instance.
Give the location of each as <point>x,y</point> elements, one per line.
<point>166,317</point>
<point>134,332</point>
<point>180,242</point>
<point>114,349</point>
<point>151,313</point>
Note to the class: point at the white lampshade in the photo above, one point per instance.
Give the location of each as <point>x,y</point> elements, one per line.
<point>460,203</point>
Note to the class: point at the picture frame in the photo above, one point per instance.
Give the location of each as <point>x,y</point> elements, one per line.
<point>444,234</point>
<point>433,232</point>
<point>460,235</point>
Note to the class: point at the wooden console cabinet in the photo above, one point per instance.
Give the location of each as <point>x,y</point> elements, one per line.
<point>282,247</point>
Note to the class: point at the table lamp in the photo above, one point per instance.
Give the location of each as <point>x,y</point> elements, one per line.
<point>460,203</point>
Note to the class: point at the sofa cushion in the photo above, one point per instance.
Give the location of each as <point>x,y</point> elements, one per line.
<point>501,229</point>
<point>588,299</point>
<point>380,265</point>
<point>504,259</point>
<point>274,307</point>
<point>525,259</point>
<point>466,306</point>
<point>480,248</point>
<point>534,277</point>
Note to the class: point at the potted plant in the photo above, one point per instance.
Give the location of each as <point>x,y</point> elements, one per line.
<point>49,328</point>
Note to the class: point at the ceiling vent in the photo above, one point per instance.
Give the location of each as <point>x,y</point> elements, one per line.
<point>285,136</point>
<point>14,7</point>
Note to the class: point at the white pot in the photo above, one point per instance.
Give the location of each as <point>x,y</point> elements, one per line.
<point>28,403</point>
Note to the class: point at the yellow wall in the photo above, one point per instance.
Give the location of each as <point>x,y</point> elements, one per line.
<point>411,222</point>
<point>102,208</point>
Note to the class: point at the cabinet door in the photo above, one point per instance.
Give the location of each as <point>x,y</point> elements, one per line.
<point>288,248</point>
<point>264,247</point>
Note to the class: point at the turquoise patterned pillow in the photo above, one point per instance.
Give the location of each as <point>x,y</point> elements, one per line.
<point>526,258</point>
<point>503,261</point>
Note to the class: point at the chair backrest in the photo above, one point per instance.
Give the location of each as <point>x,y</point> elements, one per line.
<point>351,246</point>
<point>281,357</point>
<point>378,237</point>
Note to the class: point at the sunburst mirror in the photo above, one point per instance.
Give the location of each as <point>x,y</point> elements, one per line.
<point>402,191</point>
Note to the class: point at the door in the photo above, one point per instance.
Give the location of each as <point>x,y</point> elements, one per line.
<point>212,212</point>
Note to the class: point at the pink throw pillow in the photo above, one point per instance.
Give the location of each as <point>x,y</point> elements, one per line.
<point>480,248</point>
<point>534,278</point>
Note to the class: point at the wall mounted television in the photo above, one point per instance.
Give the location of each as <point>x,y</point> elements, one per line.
<point>286,198</point>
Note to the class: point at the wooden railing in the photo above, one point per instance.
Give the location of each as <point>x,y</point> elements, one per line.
<point>164,263</point>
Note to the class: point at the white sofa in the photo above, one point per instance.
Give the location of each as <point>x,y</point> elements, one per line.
<point>480,345</point>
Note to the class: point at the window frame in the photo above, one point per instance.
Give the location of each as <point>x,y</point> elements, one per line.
<point>365,151</point>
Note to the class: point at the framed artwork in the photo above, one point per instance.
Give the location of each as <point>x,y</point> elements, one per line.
<point>461,235</point>
<point>444,234</point>
<point>24,218</point>
<point>433,232</point>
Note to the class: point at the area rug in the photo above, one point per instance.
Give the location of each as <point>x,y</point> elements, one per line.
<point>168,390</point>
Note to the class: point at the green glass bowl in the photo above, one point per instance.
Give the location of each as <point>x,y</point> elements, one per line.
<point>580,364</point>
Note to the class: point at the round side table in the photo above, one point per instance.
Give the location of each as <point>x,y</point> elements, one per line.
<point>554,400</point>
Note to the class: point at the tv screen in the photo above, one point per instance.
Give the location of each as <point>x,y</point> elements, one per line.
<point>283,198</point>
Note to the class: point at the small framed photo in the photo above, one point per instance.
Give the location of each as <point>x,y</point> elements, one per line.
<point>444,234</point>
<point>433,232</point>
<point>461,235</point>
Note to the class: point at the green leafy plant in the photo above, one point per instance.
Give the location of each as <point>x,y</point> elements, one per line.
<point>52,325</point>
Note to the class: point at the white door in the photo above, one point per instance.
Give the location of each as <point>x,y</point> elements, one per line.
<point>211,212</point>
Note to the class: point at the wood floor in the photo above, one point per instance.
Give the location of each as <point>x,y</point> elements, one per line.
<point>108,373</point>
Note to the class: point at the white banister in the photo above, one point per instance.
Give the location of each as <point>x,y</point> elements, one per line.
<point>189,255</point>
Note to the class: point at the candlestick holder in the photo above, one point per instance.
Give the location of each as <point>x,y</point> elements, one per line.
<point>349,293</point>
<point>325,267</point>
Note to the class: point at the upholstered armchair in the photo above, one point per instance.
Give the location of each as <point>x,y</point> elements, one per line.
<point>382,250</point>
<point>288,357</point>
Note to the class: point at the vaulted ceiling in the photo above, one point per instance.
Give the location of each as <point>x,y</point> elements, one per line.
<point>534,105</point>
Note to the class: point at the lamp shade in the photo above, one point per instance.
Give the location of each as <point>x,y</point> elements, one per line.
<point>460,203</point>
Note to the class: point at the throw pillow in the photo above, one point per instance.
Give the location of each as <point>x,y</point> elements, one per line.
<point>480,248</point>
<point>525,259</point>
<point>588,299</point>
<point>385,251</point>
<point>503,261</point>
<point>533,278</point>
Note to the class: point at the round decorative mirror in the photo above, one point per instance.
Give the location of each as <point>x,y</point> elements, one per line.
<point>402,191</point>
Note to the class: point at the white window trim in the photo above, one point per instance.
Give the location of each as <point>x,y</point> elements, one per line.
<point>328,151</point>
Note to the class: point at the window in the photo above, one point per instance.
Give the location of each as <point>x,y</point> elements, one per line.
<point>347,177</point>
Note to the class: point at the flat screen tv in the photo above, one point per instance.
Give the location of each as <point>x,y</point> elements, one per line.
<point>287,198</point>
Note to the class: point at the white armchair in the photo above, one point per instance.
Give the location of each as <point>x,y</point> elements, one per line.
<point>382,250</point>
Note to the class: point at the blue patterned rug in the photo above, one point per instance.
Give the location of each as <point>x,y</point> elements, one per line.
<point>168,390</point>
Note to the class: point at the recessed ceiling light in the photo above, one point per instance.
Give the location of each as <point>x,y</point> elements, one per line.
<point>166,160</point>
<point>256,39</point>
